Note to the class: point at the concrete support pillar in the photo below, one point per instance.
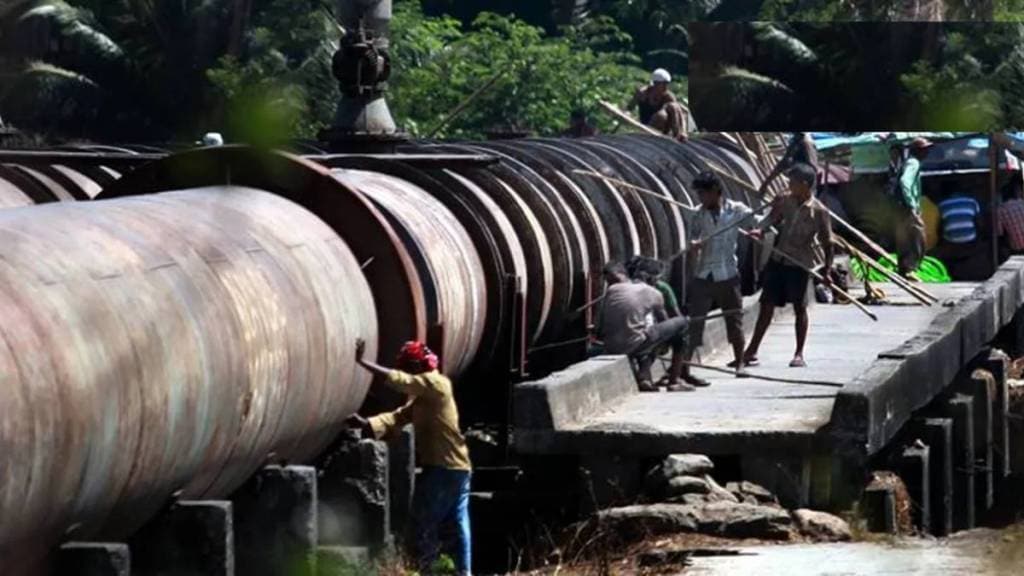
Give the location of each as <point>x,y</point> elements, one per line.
<point>1015,332</point>
<point>915,471</point>
<point>937,433</point>
<point>401,477</point>
<point>997,364</point>
<point>982,388</point>
<point>94,559</point>
<point>961,409</point>
<point>355,497</point>
<point>276,522</point>
<point>190,537</point>
<point>879,508</point>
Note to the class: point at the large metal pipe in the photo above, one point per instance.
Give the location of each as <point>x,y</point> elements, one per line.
<point>450,268</point>
<point>161,342</point>
<point>38,182</point>
<point>176,339</point>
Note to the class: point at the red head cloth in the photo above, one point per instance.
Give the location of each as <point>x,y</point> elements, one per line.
<point>415,358</point>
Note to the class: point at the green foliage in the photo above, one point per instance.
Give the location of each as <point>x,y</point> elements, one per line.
<point>163,69</point>
<point>438,64</point>
<point>848,76</point>
<point>887,10</point>
<point>944,99</point>
<point>738,96</point>
<point>282,87</point>
<point>809,10</point>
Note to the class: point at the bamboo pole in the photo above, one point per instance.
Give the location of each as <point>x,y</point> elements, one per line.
<point>671,201</point>
<point>782,182</point>
<point>615,111</point>
<point>894,278</point>
<point>817,276</point>
<point>751,157</point>
<point>465,103</point>
<point>634,187</point>
<point>737,180</point>
<point>764,377</point>
<point>993,199</point>
<point>874,246</point>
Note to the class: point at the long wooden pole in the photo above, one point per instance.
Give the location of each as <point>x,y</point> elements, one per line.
<point>634,187</point>
<point>893,277</point>
<point>993,179</point>
<point>465,103</point>
<point>813,273</point>
<point>722,172</point>
<point>653,194</point>
<point>722,230</point>
<point>873,245</point>
<point>614,111</point>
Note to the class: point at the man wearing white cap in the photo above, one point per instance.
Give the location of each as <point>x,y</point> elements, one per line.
<point>658,106</point>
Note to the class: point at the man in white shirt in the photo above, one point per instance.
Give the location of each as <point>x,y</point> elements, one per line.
<point>717,279</point>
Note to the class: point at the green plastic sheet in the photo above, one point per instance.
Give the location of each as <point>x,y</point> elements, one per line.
<point>931,270</point>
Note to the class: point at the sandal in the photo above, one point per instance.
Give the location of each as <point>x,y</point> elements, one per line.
<point>797,362</point>
<point>647,386</point>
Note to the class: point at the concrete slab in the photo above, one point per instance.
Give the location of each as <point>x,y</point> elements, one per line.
<point>882,372</point>
<point>752,415</point>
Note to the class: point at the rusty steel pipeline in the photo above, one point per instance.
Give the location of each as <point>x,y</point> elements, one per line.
<point>209,327</point>
<point>450,266</point>
<point>165,342</point>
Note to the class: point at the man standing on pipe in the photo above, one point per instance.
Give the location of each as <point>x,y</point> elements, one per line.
<point>717,278</point>
<point>442,489</point>
<point>623,327</point>
<point>802,220</point>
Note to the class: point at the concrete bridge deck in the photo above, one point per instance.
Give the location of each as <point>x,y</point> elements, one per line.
<point>733,412</point>
<point>886,369</point>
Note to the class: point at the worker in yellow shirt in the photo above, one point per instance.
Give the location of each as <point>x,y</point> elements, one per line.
<point>442,489</point>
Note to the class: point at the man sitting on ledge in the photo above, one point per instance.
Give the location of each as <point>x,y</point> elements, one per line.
<point>624,328</point>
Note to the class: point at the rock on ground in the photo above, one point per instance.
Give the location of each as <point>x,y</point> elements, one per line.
<point>641,521</point>
<point>730,519</point>
<point>686,485</point>
<point>695,499</point>
<point>758,492</point>
<point>741,520</point>
<point>718,494</point>
<point>821,525</point>
<point>686,465</point>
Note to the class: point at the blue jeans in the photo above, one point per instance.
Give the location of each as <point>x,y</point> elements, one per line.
<point>442,495</point>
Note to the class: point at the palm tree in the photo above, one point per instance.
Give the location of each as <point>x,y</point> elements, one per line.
<point>109,68</point>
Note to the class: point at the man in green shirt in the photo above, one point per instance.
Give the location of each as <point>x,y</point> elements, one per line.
<point>910,238</point>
